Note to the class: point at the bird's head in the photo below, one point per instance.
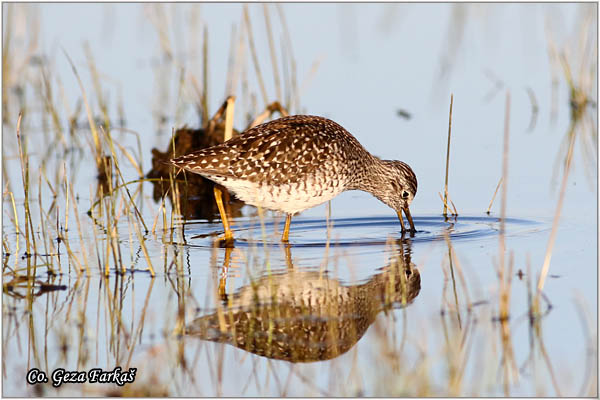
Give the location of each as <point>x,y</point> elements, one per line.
<point>397,188</point>
<point>401,185</point>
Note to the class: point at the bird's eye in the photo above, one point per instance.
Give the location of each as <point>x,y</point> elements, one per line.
<point>405,194</point>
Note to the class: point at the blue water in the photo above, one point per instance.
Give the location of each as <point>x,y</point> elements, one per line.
<point>357,64</point>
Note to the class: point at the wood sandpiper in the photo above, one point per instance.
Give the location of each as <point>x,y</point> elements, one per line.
<point>297,162</point>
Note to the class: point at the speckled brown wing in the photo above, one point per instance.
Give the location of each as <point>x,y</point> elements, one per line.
<point>282,151</point>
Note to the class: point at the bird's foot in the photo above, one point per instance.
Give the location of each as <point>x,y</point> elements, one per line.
<point>225,241</point>
<point>410,232</point>
<point>222,291</point>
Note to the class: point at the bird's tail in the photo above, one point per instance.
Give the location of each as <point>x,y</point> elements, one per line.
<point>167,162</point>
<point>171,163</point>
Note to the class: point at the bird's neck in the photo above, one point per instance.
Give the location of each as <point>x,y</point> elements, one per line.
<point>391,288</point>
<point>370,178</point>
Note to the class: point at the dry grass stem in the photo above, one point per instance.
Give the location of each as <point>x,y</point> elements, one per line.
<point>97,145</point>
<point>448,157</point>
<point>229,118</point>
<point>272,51</point>
<point>504,289</point>
<point>553,232</point>
<point>293,98</point>
<point>205,76</point>
<point>493,197</point>
<point>446,206</point>
<point>261,82</point>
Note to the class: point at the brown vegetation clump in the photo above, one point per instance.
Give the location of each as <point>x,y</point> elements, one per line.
<point>196,192</point>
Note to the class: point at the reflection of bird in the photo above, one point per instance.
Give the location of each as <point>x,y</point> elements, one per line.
<point>304,316</point>
<point>297,162</point>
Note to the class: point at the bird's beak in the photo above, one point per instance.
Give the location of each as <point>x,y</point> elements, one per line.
<point>410,220</point>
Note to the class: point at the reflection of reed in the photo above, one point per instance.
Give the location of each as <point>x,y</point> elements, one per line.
<point>304,316</point>
<point>583,124</point>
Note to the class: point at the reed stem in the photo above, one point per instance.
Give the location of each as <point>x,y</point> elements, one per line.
<point>445,213</point>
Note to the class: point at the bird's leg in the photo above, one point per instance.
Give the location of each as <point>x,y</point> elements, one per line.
<point>227,205</point>
<point>286,229</point>
<point>223,278</point>
<point>401,221</point>
<point>228,237</point>
<point>288,256</point>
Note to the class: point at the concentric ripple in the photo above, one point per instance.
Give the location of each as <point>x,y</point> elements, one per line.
<point>361,231</point>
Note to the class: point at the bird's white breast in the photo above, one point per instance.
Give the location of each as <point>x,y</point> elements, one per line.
<point>289,197</point>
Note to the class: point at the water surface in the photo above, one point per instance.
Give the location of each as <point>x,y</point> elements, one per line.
<point>351,307</point>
